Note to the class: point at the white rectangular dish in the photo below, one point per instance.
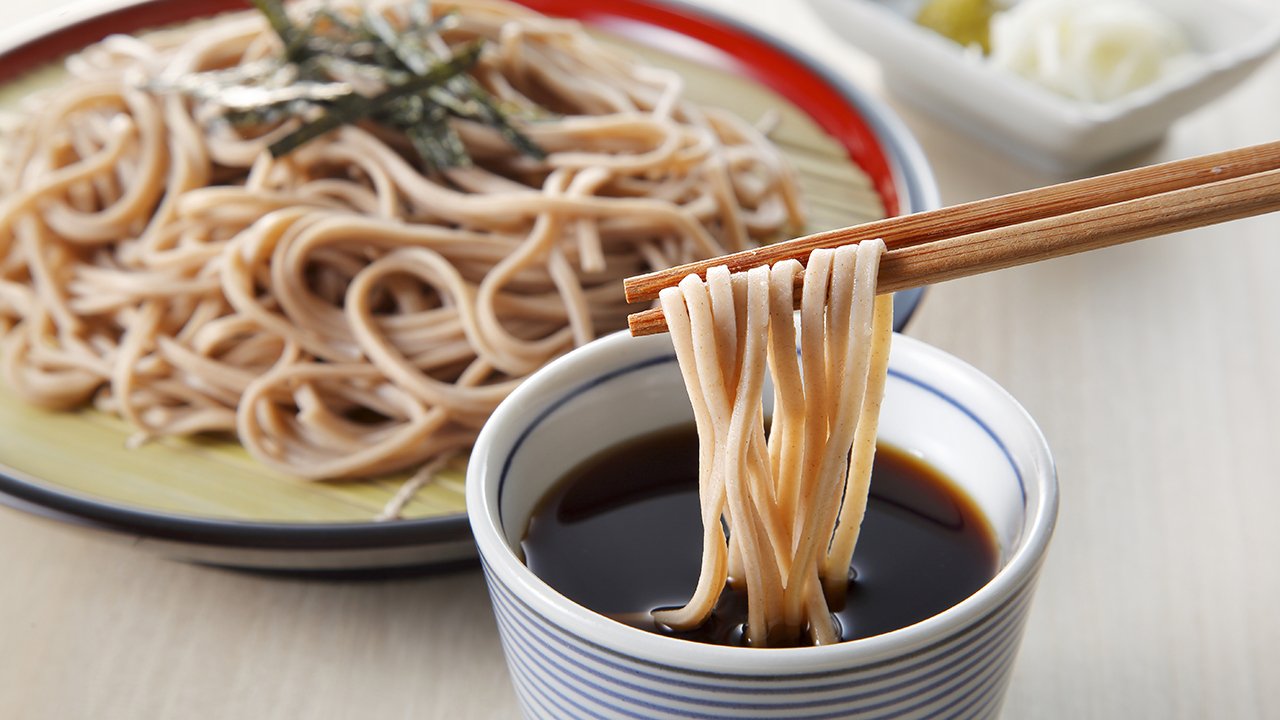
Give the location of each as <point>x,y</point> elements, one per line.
<point>1230,38</point>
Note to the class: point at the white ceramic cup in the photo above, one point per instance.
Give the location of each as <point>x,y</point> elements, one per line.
<point>568,662</point>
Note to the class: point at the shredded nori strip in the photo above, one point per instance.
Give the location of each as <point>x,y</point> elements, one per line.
<point>435,141</point>
<point>283,26</point>
<point>327,58</point>
<point>353,107</point>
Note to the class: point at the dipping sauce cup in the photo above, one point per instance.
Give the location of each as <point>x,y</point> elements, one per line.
<point>567,661</point>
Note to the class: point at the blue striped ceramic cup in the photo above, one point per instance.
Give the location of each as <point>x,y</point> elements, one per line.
<point>569,662</point>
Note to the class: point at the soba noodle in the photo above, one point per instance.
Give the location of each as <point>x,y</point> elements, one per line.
<point>339,311</point>
<point>793,501</point>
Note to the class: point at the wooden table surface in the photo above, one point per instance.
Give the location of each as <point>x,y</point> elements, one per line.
<point>1153,368</point>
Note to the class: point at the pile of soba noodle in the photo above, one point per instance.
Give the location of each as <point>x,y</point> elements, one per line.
<point>792,501</point>
<point>342,312</point>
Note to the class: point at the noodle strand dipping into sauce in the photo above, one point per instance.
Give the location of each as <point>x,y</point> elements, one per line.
<point>782,510</point>
<point>620,534</point>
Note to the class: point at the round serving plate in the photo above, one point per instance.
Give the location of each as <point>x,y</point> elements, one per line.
<point>207,501</point>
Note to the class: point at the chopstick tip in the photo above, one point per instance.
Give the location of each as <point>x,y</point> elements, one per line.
<point>647,322</point>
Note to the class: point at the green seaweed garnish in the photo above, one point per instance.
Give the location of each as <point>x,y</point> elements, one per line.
<point>355,106</point>
<point>337,69</point>
<point>275,13</point>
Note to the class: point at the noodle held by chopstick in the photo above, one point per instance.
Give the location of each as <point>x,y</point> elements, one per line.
<point>792,503</point>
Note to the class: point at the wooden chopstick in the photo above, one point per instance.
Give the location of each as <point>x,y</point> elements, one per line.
<point>907,230</point>
<point>1028,226</point>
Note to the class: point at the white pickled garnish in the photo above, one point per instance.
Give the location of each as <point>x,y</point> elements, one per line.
<point>1089,50</point>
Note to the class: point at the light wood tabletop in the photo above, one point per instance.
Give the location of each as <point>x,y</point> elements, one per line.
<point>1153,368</point>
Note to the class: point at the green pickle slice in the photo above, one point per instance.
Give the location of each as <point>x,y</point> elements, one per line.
<point>967,22</point>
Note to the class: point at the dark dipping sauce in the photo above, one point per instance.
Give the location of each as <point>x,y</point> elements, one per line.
<point>621,535</point>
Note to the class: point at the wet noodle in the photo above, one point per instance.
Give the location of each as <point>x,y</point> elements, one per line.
<point>792,501</point>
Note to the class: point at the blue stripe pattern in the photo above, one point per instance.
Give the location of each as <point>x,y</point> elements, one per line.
<point>559,675</point>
